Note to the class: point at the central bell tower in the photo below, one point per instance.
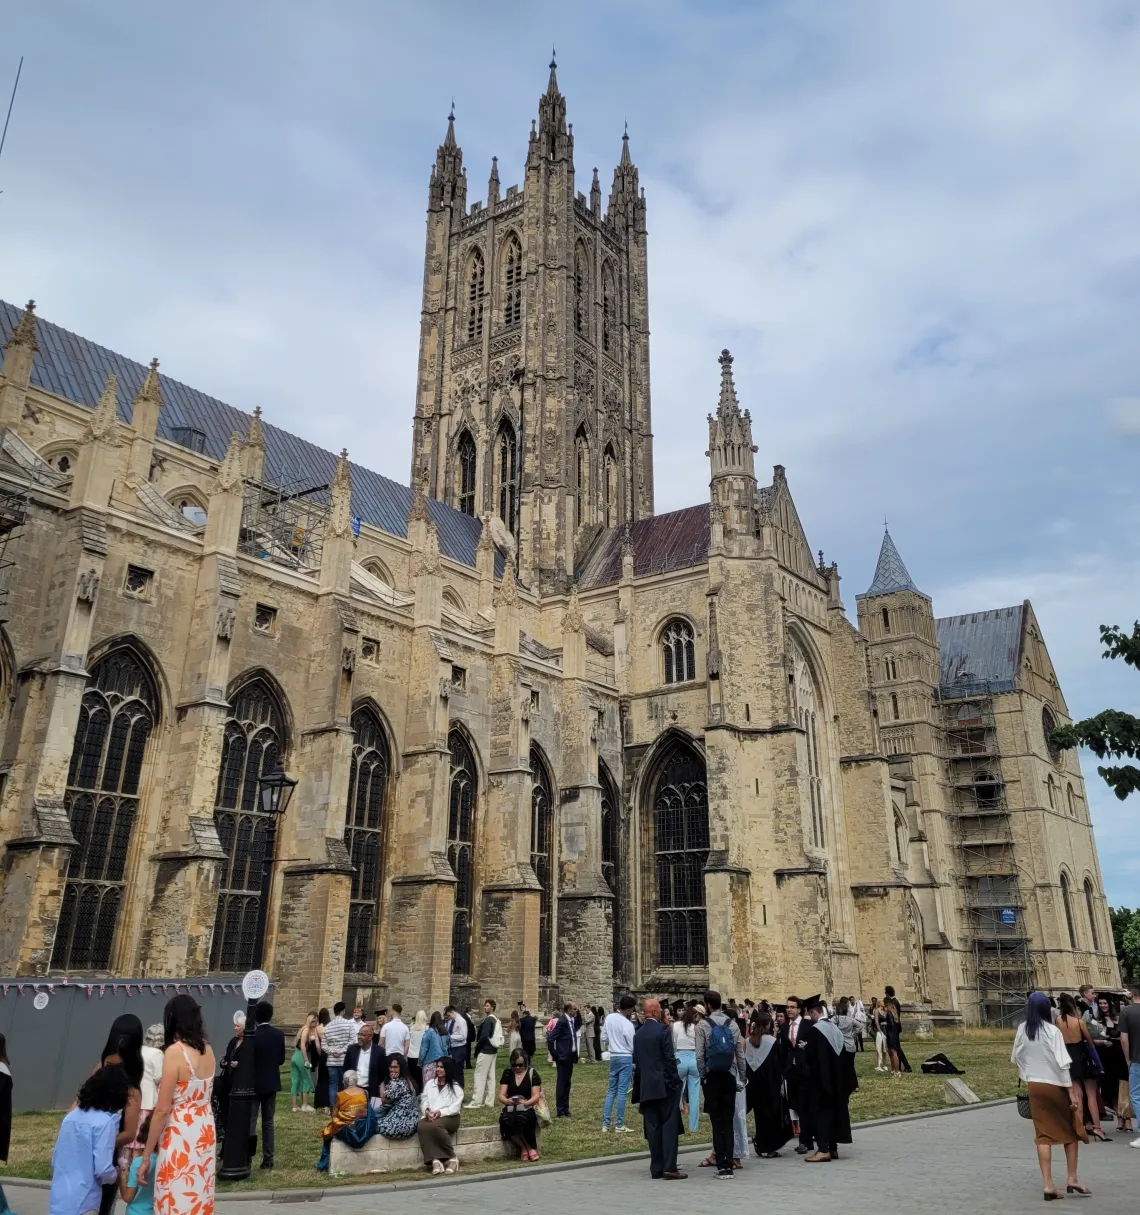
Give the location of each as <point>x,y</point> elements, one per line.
<point>532,401</point>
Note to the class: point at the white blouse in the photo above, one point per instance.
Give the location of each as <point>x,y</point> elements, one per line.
<point>447,1100</point>
<point>1044,1060</point>
<point>151,1077</point>
<point>684,1036</point>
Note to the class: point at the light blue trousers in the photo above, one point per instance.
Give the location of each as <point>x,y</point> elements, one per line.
<point>690,1084</point>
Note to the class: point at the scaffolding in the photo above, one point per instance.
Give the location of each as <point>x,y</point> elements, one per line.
<point>991,888</point>
<point>13,514</point>
<point>285,523</point>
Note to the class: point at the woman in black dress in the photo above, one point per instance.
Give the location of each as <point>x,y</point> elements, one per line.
<point>320,1060</point>
<point>764,1091</point>
<point>520,1090</point>
<point>599,1018</point>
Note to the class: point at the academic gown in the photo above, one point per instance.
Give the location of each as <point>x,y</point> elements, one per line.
<point>764,1096</point>
<point>827,1089</point>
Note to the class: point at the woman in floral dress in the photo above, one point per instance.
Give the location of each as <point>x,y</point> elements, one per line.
<point>399,1102</point>
<point>182,1126</point>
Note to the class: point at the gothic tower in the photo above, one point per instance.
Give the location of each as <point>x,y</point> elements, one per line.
<point>533,395</point>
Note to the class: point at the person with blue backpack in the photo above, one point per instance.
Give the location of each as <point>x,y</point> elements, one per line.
<point>720,1062</point>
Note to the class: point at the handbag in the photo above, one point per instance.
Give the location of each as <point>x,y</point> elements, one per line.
<point>542,1108</point>
<point>1023,1102</point>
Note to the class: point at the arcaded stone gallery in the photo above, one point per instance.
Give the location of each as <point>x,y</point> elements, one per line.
<point>547,744</point>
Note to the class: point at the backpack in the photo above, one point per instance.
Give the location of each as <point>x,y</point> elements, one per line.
<point>721,1049</point>
<point>497,1038</point>
<point>939,1065</point>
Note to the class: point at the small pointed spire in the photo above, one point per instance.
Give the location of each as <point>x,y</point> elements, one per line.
<point>340,492</point>
<point>596,194</point>
<point>507,591</point>
<point>255,433</point>
<point>150,390</point>
<point>728,403</point>
<point>229,474</point>
<point>493,183</point>
<point>24,333</point>
<point>572,621</point>
<point>890,573</point>
<point>449,139</point>
<point>552,85</point>
<point>625,162</point>
<point>106,415</point>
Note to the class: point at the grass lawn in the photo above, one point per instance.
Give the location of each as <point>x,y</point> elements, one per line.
<point>983,1054</point>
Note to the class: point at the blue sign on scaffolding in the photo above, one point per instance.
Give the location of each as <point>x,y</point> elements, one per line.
<point>356,525</point>
<point>1008,915</point>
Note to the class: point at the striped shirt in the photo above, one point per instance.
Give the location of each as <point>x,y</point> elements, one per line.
<point>340,1034</point>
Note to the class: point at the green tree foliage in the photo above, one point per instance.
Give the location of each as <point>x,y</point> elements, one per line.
<point>1111,734</point>
<point>1124,922</point>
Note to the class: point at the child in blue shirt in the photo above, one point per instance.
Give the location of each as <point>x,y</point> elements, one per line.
<point>139,1199</point>
<point>84,1155</point>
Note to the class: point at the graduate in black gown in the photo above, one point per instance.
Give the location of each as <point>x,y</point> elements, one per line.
<point>827,1086</point>
<point>764,1091</point>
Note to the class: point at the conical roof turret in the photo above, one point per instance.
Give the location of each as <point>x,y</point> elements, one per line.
<point>891,573</point>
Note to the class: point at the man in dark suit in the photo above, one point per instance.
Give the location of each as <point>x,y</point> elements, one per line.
<point>793,1054</point>
<point>268,1056</point>
<point>526,1032</point>
<point>562,1043</point>
<point>659,1092</point>
<point>367,1059</point>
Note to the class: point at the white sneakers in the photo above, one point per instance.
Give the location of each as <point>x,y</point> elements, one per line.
<point>623,1130</point>
<point>1135,1143</point>
<point>605,1129</point>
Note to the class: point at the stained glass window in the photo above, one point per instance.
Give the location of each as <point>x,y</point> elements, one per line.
<point>542,859</point>
<point>461,848</point>
<point>681,851</point>
<point>512,281</point>
<point>678,652</point>
<point>364,837</point>
<point>476,286</point>
<point>117,714</point>
<point>468,464</point>
<point>252,743</point>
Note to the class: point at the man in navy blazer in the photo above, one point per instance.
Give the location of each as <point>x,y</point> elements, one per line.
<point>562,1043</point>
<point>268,1056</point>
<point>366,1057</point>
<point>658,1087</point>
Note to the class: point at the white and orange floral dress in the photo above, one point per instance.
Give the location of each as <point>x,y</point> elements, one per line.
<point>184,1182</point>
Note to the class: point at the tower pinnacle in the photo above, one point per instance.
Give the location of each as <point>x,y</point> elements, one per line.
<point>891,573</point>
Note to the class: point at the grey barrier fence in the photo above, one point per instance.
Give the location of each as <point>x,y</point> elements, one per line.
<point>54,1048</point>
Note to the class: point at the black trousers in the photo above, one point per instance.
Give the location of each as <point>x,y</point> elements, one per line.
<point>720,1105</point>
<point>565,1069</point>
<point>662,1117</point>
<point>798,1099</point>
<point>823,1123</point>
<point>266,1105</point>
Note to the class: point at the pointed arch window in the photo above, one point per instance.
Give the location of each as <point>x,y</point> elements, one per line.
<point>542,860</point>
<point>476,292</point>
<point>581,477</point>
<point>609,310</point>
<point>1071,800</point>
<point>1051,791</point>
<point>118,712</point>
<point>681,851</point>
<point>364,837</point>
<point>609,487</point>
<point>1066,899</point>
<point>512,281</point>
<point>468,467</point>
<point>581,292</point>
<point>252,744</point>
<point>610,845</point>
<point>895,714</point>
<point>1090,907</point>
<point>678,651</point>
<point>507,475</point>
<point>461,848</point>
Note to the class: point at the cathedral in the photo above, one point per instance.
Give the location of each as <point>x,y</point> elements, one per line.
<point>504,731</point>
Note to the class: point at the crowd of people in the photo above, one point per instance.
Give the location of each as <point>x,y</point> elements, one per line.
<point>148,1123</point>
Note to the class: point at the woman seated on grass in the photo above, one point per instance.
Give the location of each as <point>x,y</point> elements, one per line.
<point>353,1121</point>
<point>441,1102</point>
<point>398,1105</point>
<point>520,1090</point>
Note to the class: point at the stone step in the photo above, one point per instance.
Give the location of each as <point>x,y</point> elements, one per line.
<point>380,1155</point>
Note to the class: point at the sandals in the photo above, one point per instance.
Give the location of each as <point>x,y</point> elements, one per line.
<point>1053,1196</point>
<point>437,1168</point>
<point>452,1166</point>
<point>1082,1190</point>
<point>709,1162</point>
<point>1099,1134</point>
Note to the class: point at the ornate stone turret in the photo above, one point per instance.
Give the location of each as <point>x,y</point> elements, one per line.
<point>448,186</point>
<point>336,555</point>
<point>253,448</point>
<point>223,519</point>
<point>16,370</point>
<point>627,199</point>
<point>596,196</point>
<point>730,453</point>
<point>144,424</point>
<point>98,456</point>
<point>493,184</point>
<point>553,140</point>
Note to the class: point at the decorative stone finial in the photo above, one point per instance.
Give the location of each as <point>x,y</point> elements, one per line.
<point>24,333</point>
<point>229,474</point>
<point>340,517</point>
<point>151,389</point>
<point>507,592</point>
<point>105,418</point>
<point>255,433</point>
<point>572,621</point>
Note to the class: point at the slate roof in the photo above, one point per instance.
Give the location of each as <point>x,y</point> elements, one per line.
<point>980,648</point>
<point>660,543</point>
<point>890,572</point>
<point>76,369</point>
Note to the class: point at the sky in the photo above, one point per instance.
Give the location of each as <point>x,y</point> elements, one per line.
<point>916,226</point>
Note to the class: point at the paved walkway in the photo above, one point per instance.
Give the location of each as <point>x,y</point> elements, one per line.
<point>974,1161</point>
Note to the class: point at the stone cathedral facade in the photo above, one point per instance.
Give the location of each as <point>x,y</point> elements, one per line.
<point>547,743</point>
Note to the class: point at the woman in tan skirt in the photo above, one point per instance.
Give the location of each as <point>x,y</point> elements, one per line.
<point>1043,1064</point>
<point>440,1104</point>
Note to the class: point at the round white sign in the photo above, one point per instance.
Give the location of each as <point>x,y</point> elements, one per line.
<point>255,985</point>
<point>41,1000</point>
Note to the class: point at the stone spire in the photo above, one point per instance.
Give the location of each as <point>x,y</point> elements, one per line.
<point>596,196</point>
<point>732,500</point>
<point>25,332</point>
<point>253,448</point>
<point>151,390</point>
<point>493,183</point>
<point>229,479</point>
<point>105,418</point>
<point>552,141</point>
<point>144,423</point>
<point>890,573</point>
<point>627,202</point>
<point>448,186</point>
<point>340,491</point>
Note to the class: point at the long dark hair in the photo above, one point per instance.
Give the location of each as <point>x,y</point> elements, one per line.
<point>436,1022</point>
<point>401,1062</point>
<point>1037,1013</point>
<point>3,1049</point>
<point>689,1016</point>
<point>450,1075</point>
<point>1069,1006</point>
<point>125,1039</point>
<point>182,1020</point>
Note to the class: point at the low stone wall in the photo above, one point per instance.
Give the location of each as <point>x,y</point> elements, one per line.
<point>380,1155</point>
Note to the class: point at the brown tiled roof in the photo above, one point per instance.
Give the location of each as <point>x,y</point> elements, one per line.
<point>660,544</point>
